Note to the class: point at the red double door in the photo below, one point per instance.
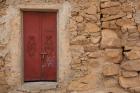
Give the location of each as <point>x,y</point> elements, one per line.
<point>40,46</point>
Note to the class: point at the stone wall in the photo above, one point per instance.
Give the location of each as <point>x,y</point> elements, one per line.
<point>104,46</point>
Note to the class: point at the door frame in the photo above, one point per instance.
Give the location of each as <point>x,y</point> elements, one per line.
<point>15,27</point>
<point>57,47</point>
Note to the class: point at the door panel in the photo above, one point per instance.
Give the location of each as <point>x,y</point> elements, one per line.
<point>49,45</point>
<point>40,46</point>
<point>32,47</point>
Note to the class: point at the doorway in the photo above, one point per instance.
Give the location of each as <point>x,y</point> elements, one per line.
<point>40,46</point>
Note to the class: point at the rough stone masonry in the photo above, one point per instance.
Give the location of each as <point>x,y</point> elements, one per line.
<point>104,41</point>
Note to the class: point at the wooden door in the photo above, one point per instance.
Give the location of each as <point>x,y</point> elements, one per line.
<point>40,46</point>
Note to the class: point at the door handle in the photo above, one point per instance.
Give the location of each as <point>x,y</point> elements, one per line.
<point>43,55</point>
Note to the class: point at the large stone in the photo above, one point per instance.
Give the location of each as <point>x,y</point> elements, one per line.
<point>110,39</point>
<point>135,89</point>
<point>87,82</point>
<point>91,10</point>
<point>131,65</point>
<point>80,27</point>
<point>106,25</point>
<point>125,22</point>
<point>109,4</point>
<point>113,55</point>
<point>79,40</point>
<point>115,90</point>
<point>91,47</point>
<point>113,25</point>
<point>93,63</point>
<point>95,54</point>
<point>111,82</point>
<point>133,54</point>
<point>111,10</point>
<point>92,27</point>
<point>110,25</point>
<point>127,7</point>
<point>129,82</point>
<point>111,69</point>
<point>91,18</point>
<point>132,30</point>
<point>129,73</point>
<point>112,17</point>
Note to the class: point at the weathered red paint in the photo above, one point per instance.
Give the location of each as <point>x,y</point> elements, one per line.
<point>40,46</point>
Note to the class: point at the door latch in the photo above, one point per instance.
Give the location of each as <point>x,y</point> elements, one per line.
<point>43,56</point>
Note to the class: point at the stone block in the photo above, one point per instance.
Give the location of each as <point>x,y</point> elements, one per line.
<point>106,25</point>
<point>125,22</point>
<point>131,65</point>
<point>133,54</point>
<point>111,69</point>
<point>113,55</point>
<point>129,82</point>
<point>109,4</point>
<point>91,10</point>
<point>91,18</point>
<point>81,39</point>
<point>111,10</point>
<point>110,39</point>
<point>115,90</point>
<point>95,54</point>
<point>85,83</point>
<point>111,82</point>
<point>93,63</point>
<point>113,17</point>
<point>129,73</point>
<point>91,47</point>
<point>92,27</point>
<point>80,27</point>
<point>127,7</point>
<point>110,25</point>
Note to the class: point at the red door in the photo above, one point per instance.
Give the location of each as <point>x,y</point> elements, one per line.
<point>40,46</point>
